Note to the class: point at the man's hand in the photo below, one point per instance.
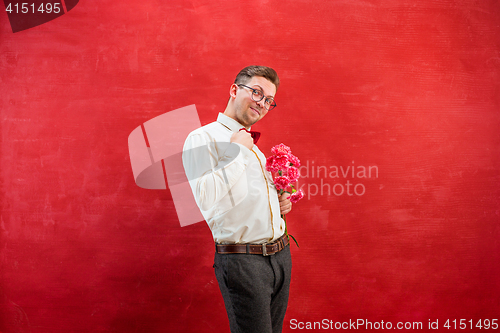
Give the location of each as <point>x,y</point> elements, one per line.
<point>242,137</point>
<point>285,204</point>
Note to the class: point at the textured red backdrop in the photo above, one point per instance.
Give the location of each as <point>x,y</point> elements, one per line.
<point>409,88</point>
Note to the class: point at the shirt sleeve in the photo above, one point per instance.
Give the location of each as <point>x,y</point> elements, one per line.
<point>212,168</point>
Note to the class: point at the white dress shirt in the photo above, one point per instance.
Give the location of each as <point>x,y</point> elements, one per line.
<point>231,186</point>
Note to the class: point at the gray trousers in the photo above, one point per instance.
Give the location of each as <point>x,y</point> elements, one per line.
<point>255,290</point>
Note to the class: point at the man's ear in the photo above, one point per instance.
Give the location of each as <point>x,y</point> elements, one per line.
<point>232,90</point>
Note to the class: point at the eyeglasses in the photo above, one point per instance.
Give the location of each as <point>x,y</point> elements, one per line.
<point>258,95</point>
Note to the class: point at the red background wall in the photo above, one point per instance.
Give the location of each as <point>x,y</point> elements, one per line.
<point>409,87</point>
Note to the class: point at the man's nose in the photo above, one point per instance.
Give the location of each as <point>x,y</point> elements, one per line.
<point>261,103</point>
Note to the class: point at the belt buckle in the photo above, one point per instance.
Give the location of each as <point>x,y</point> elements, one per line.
<point>264,250</point>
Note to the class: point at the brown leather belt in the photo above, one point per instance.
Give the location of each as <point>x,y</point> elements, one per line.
<point>265,249</point>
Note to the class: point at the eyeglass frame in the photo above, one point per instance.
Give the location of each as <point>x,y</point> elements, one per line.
<point>271,106</point>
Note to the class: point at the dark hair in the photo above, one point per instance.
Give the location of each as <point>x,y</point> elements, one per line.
<point>247,73</point>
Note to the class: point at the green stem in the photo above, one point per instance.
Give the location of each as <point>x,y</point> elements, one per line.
<point>286,230</point>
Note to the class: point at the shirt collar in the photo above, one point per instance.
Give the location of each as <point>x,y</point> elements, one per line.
<point>230,123</point>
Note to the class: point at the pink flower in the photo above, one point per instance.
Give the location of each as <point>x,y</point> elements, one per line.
<point>281,149</point>
<point>281,162</point>
<point>276,163</point>
<point>294,197</point>
<point>281,182</point>
<point>293,174</point>
<point>294,160</point>
<point>270,165</point>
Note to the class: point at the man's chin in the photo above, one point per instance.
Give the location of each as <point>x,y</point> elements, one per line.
<point>252,122</point>
<point>249,121</point>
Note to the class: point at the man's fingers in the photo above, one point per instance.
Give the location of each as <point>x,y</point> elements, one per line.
<point>242,138</point>
<point>284,196</point>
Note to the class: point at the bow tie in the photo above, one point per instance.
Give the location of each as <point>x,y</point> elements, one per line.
<point>255,135</point>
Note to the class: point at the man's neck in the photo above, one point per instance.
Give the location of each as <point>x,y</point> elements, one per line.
<point>228,112</point>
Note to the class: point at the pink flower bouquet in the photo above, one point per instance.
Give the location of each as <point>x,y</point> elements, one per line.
<point>284,167</point>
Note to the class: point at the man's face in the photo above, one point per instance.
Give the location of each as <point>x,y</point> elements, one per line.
<point>247,111</point>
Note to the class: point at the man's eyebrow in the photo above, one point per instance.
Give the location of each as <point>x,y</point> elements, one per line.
<point>261,89</point>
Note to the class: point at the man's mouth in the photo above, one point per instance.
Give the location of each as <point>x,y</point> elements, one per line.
<point>256,111</point>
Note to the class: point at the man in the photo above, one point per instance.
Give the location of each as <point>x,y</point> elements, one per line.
<point>239,201</point>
